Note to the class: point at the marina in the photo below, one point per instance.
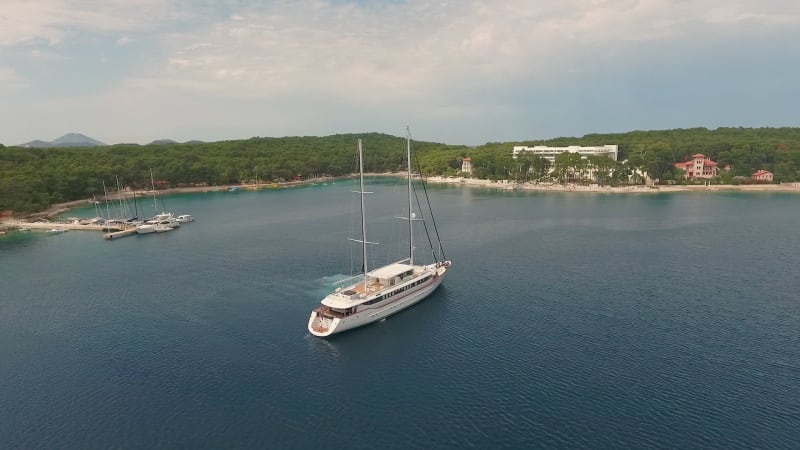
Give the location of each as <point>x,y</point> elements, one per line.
<point>111,230</point>
<point>122,222</point>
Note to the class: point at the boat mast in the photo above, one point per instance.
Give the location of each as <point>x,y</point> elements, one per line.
<point>135,205</point>
<point>153,183</point>
<point>96,208</point>
<point>363,219</point>
<point>105,194</point>
<point>410,213</point>
<point>121,198</point>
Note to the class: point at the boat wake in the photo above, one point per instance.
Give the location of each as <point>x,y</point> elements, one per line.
<point>333,279</point>
<point>323,286</point>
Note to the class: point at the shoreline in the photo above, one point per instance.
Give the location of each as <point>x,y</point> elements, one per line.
<point>595,188</point>
<point>61,208</point>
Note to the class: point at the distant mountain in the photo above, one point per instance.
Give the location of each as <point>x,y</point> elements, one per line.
<point>170,142</point>
<point>36,144</point>
<point>163,142</point>
<point>67,140</point>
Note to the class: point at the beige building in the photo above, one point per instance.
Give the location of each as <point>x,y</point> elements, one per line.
<point>466,165</point>
<point>550,153</point>
<point>762,176</point>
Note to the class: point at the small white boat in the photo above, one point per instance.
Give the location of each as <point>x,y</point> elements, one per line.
<point>157,227</point>
<point>92,221</point>
<point>24,229</point>
<point>163,227</point>
<point>160,217</point>
<point>58,230</point>
<point>185,218</point>
<point>145,228</point>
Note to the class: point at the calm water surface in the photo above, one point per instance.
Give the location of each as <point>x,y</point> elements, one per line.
<point>569,320</point>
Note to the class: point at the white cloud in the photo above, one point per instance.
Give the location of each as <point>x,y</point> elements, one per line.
<point>124,40</point>
<point>37,54</point>
<point>395,50</point>
<point>344,66</point>
<point>54,21</point>
<point>10,80</point>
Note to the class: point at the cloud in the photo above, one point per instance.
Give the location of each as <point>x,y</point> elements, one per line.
<point>416,45</point>
<point>37,54</point>
<point>10,80</point>
<point>352,65</point>
<point>56,21</point>
<point>124,40</point>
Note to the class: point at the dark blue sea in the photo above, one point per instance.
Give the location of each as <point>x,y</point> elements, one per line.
<point>569,320</point>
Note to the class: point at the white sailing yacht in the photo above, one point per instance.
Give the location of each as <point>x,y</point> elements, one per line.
<point>159,223</point>
<point>382,291</point>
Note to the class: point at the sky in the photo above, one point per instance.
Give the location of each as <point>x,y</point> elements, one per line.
<point>458,72</point>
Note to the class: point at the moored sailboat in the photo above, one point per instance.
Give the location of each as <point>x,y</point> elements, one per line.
<point>382,291</point>
<point>161,222</point>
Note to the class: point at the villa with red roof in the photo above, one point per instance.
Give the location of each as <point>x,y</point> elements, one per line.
<point>698,167</point>
<point>763,176</point>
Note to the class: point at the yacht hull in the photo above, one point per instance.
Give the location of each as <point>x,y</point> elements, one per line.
<point>145,229</point>
<point>322,326</point>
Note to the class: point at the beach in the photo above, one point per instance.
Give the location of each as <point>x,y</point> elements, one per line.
<point>596,188</point>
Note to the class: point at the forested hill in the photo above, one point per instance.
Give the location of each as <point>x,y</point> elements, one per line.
<point>32,179</point>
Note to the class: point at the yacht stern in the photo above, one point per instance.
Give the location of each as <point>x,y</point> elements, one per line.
<point>321,325</point>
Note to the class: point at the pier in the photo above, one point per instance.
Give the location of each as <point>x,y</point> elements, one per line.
<point>46,225</point>
<point>119,234</point>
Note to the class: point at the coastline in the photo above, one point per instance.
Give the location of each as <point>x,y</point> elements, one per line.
<point>61,208</point>
<point>595,188</point>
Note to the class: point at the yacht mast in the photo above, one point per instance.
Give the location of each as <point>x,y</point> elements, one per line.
<point>96,208</point>
<point>153,184</point>
<point>121,198</point>
<point>410,213</point>
<point>135,205</point>
<point>363,241</point>
<point>105,194</point>
<point>363,219</point>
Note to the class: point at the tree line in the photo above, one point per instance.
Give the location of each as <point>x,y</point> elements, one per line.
<point>33,179</point>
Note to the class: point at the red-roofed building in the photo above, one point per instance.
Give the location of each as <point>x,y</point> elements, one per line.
<point>762,176</point>
<point>698,167</point>
<point>466,165</point>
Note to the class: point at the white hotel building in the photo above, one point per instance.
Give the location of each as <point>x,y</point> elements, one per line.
<point>549,153</point>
